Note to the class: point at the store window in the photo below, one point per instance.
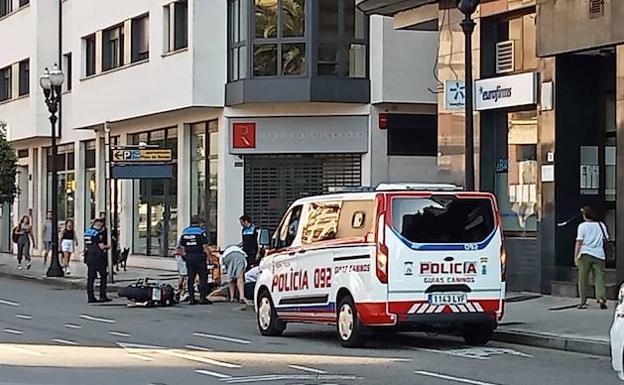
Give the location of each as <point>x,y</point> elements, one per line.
<point>279,41</point>
<point>517,188</point>
<point>156,201</point>
<point>90,181</point>
<point>66,181</point>
<point>204,175</point>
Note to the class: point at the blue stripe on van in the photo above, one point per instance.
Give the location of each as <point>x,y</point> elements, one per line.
<point>330,307</point>
<point>446,246</point>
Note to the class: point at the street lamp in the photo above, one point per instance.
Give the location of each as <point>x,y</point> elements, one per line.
<point>468,7</point>
<point>51,82</point>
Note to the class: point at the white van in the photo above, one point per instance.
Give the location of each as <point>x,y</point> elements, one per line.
<point>417,257</point>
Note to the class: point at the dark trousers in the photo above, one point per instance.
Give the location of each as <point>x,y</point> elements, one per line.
<point>196,266</point>
<point>93,269</point>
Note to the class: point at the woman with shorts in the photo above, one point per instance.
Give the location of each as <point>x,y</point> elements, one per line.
<point>68,243</point>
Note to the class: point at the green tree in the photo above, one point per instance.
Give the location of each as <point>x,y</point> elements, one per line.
<point>8,170</point>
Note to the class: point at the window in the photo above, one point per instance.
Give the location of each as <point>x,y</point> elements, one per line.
<point>68,70</point>
<point>322,222</point>
<point>412,135</point>
<point>204,175</point>
<point>279,38</point>
<point>113,48</point>
<point>343,31</point>
<point>356,219</point>
<point>6,6</point>
<point>89,54</point>
<point>176,25</point>
<point>288,230</point>
<point>238,28</point>
<point>23,2</point>
<point>140,38</point>
<point>65,162</point>
<point>91,182</point>
<point>443,219</point>
<point>5,83</point>
<point>24,77</point>
<point>181,24</point>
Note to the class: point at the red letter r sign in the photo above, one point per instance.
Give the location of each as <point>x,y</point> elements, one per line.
<point>244,135</point>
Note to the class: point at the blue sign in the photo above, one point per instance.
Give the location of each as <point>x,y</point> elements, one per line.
<point>454,95</point>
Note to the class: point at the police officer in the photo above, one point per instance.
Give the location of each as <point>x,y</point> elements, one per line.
<point>95,258</point>
<point>194,242</point>
<point>249,240</point>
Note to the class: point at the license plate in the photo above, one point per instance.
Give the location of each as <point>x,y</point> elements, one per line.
<point>156,294</point>
<point>447,298</point>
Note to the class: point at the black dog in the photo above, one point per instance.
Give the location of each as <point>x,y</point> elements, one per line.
<point>120,258</point>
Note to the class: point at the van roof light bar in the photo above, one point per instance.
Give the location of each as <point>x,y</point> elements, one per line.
<point>417,187</point>
<point>348,189</point>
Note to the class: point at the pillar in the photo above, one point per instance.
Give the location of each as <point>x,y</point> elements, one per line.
<point>184,176</point>
<point>619,216</point>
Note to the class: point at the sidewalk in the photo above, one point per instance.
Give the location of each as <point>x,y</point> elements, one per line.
<point>78,277</point>
<point>555,323</point>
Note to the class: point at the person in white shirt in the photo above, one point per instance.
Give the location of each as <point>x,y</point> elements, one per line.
<point>589,255</point>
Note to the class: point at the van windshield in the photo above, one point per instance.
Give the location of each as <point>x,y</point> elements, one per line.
<point>446,219</point>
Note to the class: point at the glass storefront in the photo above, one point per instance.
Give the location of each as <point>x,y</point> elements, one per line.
<point>91,183</point>
<point>66,186</point>
<point>156,203</point>
<point>516,181</point>
<point>204,163</point>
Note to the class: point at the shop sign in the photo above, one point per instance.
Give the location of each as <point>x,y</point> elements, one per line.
<point>506,91</point>
<point>244,135</point>
<point>454,95</point>
<point>141,155</point>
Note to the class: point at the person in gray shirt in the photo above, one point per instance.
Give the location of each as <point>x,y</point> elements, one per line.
<point>46,236</point>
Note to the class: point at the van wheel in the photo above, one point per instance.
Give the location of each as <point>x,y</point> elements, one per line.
<point>268,323</point>
<point>348,325</point>
<point>478,334</point>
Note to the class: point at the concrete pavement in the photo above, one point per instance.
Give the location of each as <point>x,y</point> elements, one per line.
<point>50,336</point>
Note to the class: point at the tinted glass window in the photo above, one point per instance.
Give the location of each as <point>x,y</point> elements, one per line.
<point>356,218</point>
<point>412,135</point>
<point>443,219</point>
<point>321,222</point>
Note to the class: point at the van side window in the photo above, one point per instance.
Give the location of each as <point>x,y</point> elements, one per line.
<point>322,222</point>
<point>356,218</point>
<point>287,232</point>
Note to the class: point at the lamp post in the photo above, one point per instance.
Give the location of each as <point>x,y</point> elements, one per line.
<point>468,7</point>
<point>51,82</point>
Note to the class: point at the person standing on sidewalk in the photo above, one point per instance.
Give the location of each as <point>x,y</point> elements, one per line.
<point>46,236</point>
<point>589,254</point>
<point>25,236</point>
<point>95,258</point>
<point>194,242</point>
<point>69,242</point>
<point>249,242</point>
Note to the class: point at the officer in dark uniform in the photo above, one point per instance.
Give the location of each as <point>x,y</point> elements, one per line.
<point>194,242</point>
<point>95,258</point>
<point>249,240</point>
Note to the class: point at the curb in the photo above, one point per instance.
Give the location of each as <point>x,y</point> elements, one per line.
<point>553,341</point>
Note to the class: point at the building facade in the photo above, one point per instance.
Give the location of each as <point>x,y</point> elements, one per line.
<point>261,102</point>
<point>547,121</point>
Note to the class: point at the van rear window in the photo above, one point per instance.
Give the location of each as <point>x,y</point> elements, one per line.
<point>445,219</point>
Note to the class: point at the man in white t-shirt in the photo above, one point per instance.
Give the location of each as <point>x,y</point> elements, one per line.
<point>589,256</point>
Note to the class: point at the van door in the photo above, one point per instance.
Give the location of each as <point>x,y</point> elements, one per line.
<point>285,256</point>
<point>444,250</point>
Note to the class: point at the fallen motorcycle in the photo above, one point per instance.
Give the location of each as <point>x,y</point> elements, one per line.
<point>149,293</point>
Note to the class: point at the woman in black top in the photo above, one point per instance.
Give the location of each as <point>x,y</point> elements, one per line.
<point>68,243</point>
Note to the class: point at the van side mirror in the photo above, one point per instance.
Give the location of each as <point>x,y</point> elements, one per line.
<point>264,238</point>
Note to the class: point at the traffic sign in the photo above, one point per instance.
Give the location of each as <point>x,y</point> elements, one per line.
<point>141,155</point>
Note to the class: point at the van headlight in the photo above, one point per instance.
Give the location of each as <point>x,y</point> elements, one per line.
<point>621,295</point>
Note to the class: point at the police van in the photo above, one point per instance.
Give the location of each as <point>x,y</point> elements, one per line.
<point>415,257</point>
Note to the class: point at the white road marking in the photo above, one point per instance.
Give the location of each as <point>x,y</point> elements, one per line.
<point>119,334</point>
<point>200,348</point>
<point>140,357</point>
<point>222,338</point>
<point>23,350</point>
<point>8,303</point>
<point>23,316</point>
<point>13,331</point>
<point>288,377</point>
<point>130,345</point>
<point>97,319</point>
<point>65,342</point>
<point>73,326</point>
<point>451,378</point>
<point>307,369</point>
<point>203,360</point>
<point>213,374</point>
